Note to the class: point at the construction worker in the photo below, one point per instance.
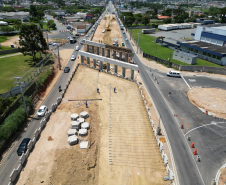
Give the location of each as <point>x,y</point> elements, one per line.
<point>86,103</point>
<point>115,90</point>
<point>98,90</point>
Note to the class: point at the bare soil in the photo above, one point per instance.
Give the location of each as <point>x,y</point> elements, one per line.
<point>134,151</point>
<point>211,99</point>
<point>12,40</point>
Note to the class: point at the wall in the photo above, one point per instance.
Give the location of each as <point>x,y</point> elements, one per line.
<point>184,57</point>
<point>9,51</point>
<point>216,70</point>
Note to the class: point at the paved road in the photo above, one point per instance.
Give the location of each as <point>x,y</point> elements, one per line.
<point>186,166</point>
<point>11,161</point>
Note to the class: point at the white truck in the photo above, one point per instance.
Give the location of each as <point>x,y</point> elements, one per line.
<point>77,48</point>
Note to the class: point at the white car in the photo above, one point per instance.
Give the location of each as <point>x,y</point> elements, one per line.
<point>126,38</point>
<point>55,44</point>
<point>42,111</point>
<point>123,32</point>
<point>72,57</point>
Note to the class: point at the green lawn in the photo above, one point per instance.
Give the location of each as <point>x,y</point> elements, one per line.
<point>13,66</point>
<point>3,38</point>
<point>148,46</point>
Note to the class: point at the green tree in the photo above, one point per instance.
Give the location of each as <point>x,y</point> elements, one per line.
<point>54,14</point>
<point>167,20</point>
<point>31,40</point>
<point>223,15</point>
<point>7,9</point>
<point>167,12</point>
<point>129,20</point>
<point>136,22</point>
<point>33,11</point>
<point>214,11</point>
<point>145,20</point>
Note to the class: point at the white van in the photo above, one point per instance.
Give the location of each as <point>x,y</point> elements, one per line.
<point>174,74</point>
<point>77,48</point>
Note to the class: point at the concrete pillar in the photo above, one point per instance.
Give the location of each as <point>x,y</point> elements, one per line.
<point>114,54</point>
<point>88,61</point>
<point>82,59</point>
<point>120,55</point>
<point>116,69</point>
<point>92,49</point>
<point>87,48</point>
<point>103,52</point>
<point>132,74</point>
<point>97,50</point>
<point>101,65</point>
<point>108,53</point>
<point>127,57</point>
<point>108,67</point>
<point>94,63</point>
<point>123,71</point>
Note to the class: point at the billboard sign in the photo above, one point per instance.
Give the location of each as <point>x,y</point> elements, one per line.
<point>89,15</point>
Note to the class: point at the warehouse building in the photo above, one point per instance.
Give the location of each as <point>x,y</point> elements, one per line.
<point>209,44</point>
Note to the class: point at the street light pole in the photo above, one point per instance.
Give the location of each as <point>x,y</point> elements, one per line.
<point>159,129</point>
<point>21,91</point>
<point>138,42</point>
<point>59,58</point>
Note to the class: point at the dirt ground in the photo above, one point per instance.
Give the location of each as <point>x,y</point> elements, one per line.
<point>211,99</point>
<point>134,152</point>
<point>12,40</point>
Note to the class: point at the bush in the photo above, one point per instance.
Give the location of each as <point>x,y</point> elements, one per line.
<point>12,123</point>
<point>42,80</point>
<point>27,101</point>
<point>5,103</point>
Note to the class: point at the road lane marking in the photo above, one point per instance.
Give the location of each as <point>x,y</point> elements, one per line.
<point>185,82</point>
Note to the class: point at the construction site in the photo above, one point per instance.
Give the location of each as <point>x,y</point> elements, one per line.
<point>122,147</point>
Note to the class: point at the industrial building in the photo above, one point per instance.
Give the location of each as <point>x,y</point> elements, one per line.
<point>209,43</point>
<point>167,27</point>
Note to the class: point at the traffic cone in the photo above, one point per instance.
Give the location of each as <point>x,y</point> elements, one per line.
<point>182,126</point>
<point>195,152</point>
<point>193,145</point>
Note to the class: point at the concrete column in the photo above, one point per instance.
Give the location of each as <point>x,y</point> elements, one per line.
<point>123,71</point>
<point>114,54</point>
<point>101,65</point>
<point>120,55</point>
<point>97,50</point>
<point>132,74</point>
<point>88,61</point>
<point>87,48</point>
<point>92,49</point>
<point>82,59</point>
<point>94,63</point>
<point>108,67</point>
<point>108,53</point>
<point>116,69</point>
<point>103,52</point>
<point>127,57</point>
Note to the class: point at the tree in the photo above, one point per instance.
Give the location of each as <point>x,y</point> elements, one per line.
<point>167,12</point>
<point>31,40</point>
<point>33,11</point>
<point>54,14</point>
<point>145,20</point>
<point>51,24</point>
<point>214,11</point>
<point>7,9</point>
<point>129,20</point>
<point>136,22</point>
<point>139,19</point>
<point>167,20</point>
<point>223,15</point>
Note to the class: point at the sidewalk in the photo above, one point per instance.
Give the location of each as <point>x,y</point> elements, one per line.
<point>10,55</point>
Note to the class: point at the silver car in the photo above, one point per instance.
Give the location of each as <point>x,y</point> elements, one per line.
<point>42,111</point>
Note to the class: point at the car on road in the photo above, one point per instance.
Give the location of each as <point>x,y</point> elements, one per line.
<point>51,43</point>
<point>77,35</point>
<point>72,57</point>
<point>174,74</point>
<point>77,48</point>
<point>42,111</point>
<point>23,146</point>
<point>66,69</point>
<point>123,32</point>
<point>126,38</point>
<point>55,44</point>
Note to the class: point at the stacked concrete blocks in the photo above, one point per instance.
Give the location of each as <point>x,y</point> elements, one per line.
<point>82,132</point>
<point>72,140</point>
<point>84,115</point>
<point>81,120</point>
<point>75,125</point>
<point>74,117</point>
<point>85,125</point>
<point>71,132</point>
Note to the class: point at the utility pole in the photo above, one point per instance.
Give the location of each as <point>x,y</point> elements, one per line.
<point>155,49</point>
<point>21,91</point>
<point>138,42</point>
<point>159,129</point>
<point>59,57</point>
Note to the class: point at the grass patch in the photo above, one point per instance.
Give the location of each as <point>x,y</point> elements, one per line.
<point>4,48</point>
<point>3,38</point>
<point>148,46</point>
<point>13,66</point>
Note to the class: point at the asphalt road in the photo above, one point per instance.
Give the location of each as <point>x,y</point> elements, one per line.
<point>11,161</point>
<point>186,166</point>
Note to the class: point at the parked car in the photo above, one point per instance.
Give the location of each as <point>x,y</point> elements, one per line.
<point>66,69</point>
<point>72,57</point>
<point>23,146</point>
<point>42,111</point>
<point>77,48</point>
<point>123,32</point>
<point>55,44</point>
<point>51,43</point>
<point>174,74</point>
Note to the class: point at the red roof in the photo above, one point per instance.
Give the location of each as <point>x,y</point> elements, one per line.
<point>162,17</point>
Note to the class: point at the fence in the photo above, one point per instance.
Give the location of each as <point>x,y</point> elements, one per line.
<point>8,51</point>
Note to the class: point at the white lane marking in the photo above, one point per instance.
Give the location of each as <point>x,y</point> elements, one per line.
<point>185,82</point>
<point>212,123</point>
<point>179,126</point>
<point>192,80</point>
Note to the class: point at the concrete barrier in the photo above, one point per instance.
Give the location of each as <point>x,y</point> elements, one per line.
<point>13,175</point>
<point>30,145</point>
<point>27,154</point>
<point>40,130</point>
<point>22,158</point>
<point>36,133</point>
<point>19,168</point>
<point>165,160</point>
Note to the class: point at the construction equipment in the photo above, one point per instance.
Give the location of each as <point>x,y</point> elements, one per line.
<point>108,29</point>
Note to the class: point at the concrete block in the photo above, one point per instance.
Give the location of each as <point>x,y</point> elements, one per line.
<point>72,140</point>
<point>10,183</point>
<point>85,125</point>
<point>81,120</point>
<point>84,115</point>
<point>19,168</point>
<point>155,132</point>
<point>158,140</point>
<point>34,141</point>
<point>27,154</point>
<point>13,175</point>
<point>36,133</point>
<point>82,132</point>
<point>71,132</point>
<point>75,125</point>
<point>163,155</point>
<point>40,130</point>
<point>22,158</point>
<point>84,145</point>
<point>74,116</point>
<point>171,176</point>
<point>30,145</point>
<point>160,146</point>
<point>165,160</point>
